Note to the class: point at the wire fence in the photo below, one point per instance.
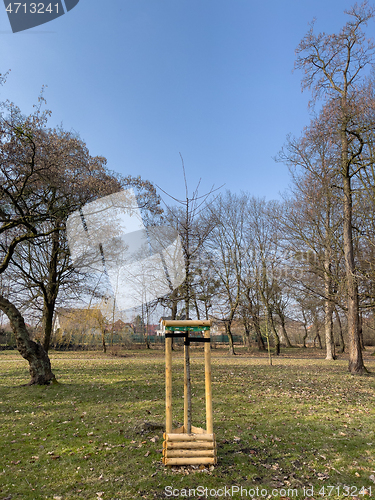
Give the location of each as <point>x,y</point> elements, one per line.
<point>86,342</point>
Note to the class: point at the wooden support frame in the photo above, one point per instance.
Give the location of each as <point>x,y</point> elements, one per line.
<point>188,445</point>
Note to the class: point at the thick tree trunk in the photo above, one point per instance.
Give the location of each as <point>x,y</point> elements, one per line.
<point>51,290</point>
<point>356,366</point>
<point>39,363</point>
<point>260,341</point>
<point>48,310</point>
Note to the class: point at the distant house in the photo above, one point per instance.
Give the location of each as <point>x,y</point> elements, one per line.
<point>68,321</point>
<point>152,329</point>
<point>218,327</point>
<point>120,326</point>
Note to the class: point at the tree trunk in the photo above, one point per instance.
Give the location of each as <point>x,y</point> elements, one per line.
<point>48,310</point>
<point>246,336</point>
<point>285,335</point>
<point>147,340</point>
<point>342,349</point>
<point>230,338</point>
<point>356,366</point>
<point>328,324</point>
<point>260,341</point>
<point>258,332</point>
<point>275,334</point>
<point>361,332</point>
<point>317,334</point>
<point>317,331</point>
<point>103,340</point>
<point>328,304</point>
<point>196,308</point>
<point>39,362</point>
<point>305,328</point>
<point>305,336</point>
<point>51,289</point>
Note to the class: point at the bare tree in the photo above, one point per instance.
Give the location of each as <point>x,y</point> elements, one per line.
<point>23,176</point>
<point>312,220</point>
<point>335,69</point>
<point>226,250</point>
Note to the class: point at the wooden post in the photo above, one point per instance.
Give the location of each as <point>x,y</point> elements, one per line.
<point>187,390</point>
<point>188,445</point>
<point>207,373</point>
<point>168,385</point>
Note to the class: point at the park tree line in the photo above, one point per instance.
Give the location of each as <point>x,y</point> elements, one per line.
<point>315,250</point>
<point>309,256</point>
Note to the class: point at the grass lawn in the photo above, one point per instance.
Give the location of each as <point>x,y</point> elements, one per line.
<point>303,425</point>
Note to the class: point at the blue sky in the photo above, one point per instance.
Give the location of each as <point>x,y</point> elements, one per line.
<point>144,80</point>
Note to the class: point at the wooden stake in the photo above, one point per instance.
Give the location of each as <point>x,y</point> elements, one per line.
<point>207,372</point>
<point>187,390</point>
<point>188,445</point>
<point>168,385</point>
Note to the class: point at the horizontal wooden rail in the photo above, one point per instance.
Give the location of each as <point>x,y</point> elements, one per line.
<point>189,437</point>
<point>184,322</point>
<point>189,453</point>
<point>190,461</point>
<point>189,445</point>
